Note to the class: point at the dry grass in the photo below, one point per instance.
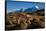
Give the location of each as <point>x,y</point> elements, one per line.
<point>24,20</point>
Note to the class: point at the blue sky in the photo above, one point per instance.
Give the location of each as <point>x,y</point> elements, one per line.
<point>15,5</point>
<point>9,0</point>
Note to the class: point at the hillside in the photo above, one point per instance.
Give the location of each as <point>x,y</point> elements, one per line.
<point>24,20</point>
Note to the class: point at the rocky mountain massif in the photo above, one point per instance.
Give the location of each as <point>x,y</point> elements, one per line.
<point>25,20</point>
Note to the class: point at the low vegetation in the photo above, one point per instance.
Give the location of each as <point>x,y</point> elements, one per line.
<point>20,21</point>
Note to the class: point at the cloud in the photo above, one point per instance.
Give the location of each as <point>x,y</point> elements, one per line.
<point>37,7</point>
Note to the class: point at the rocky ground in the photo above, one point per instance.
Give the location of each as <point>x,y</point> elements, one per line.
<point>20,21</point>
